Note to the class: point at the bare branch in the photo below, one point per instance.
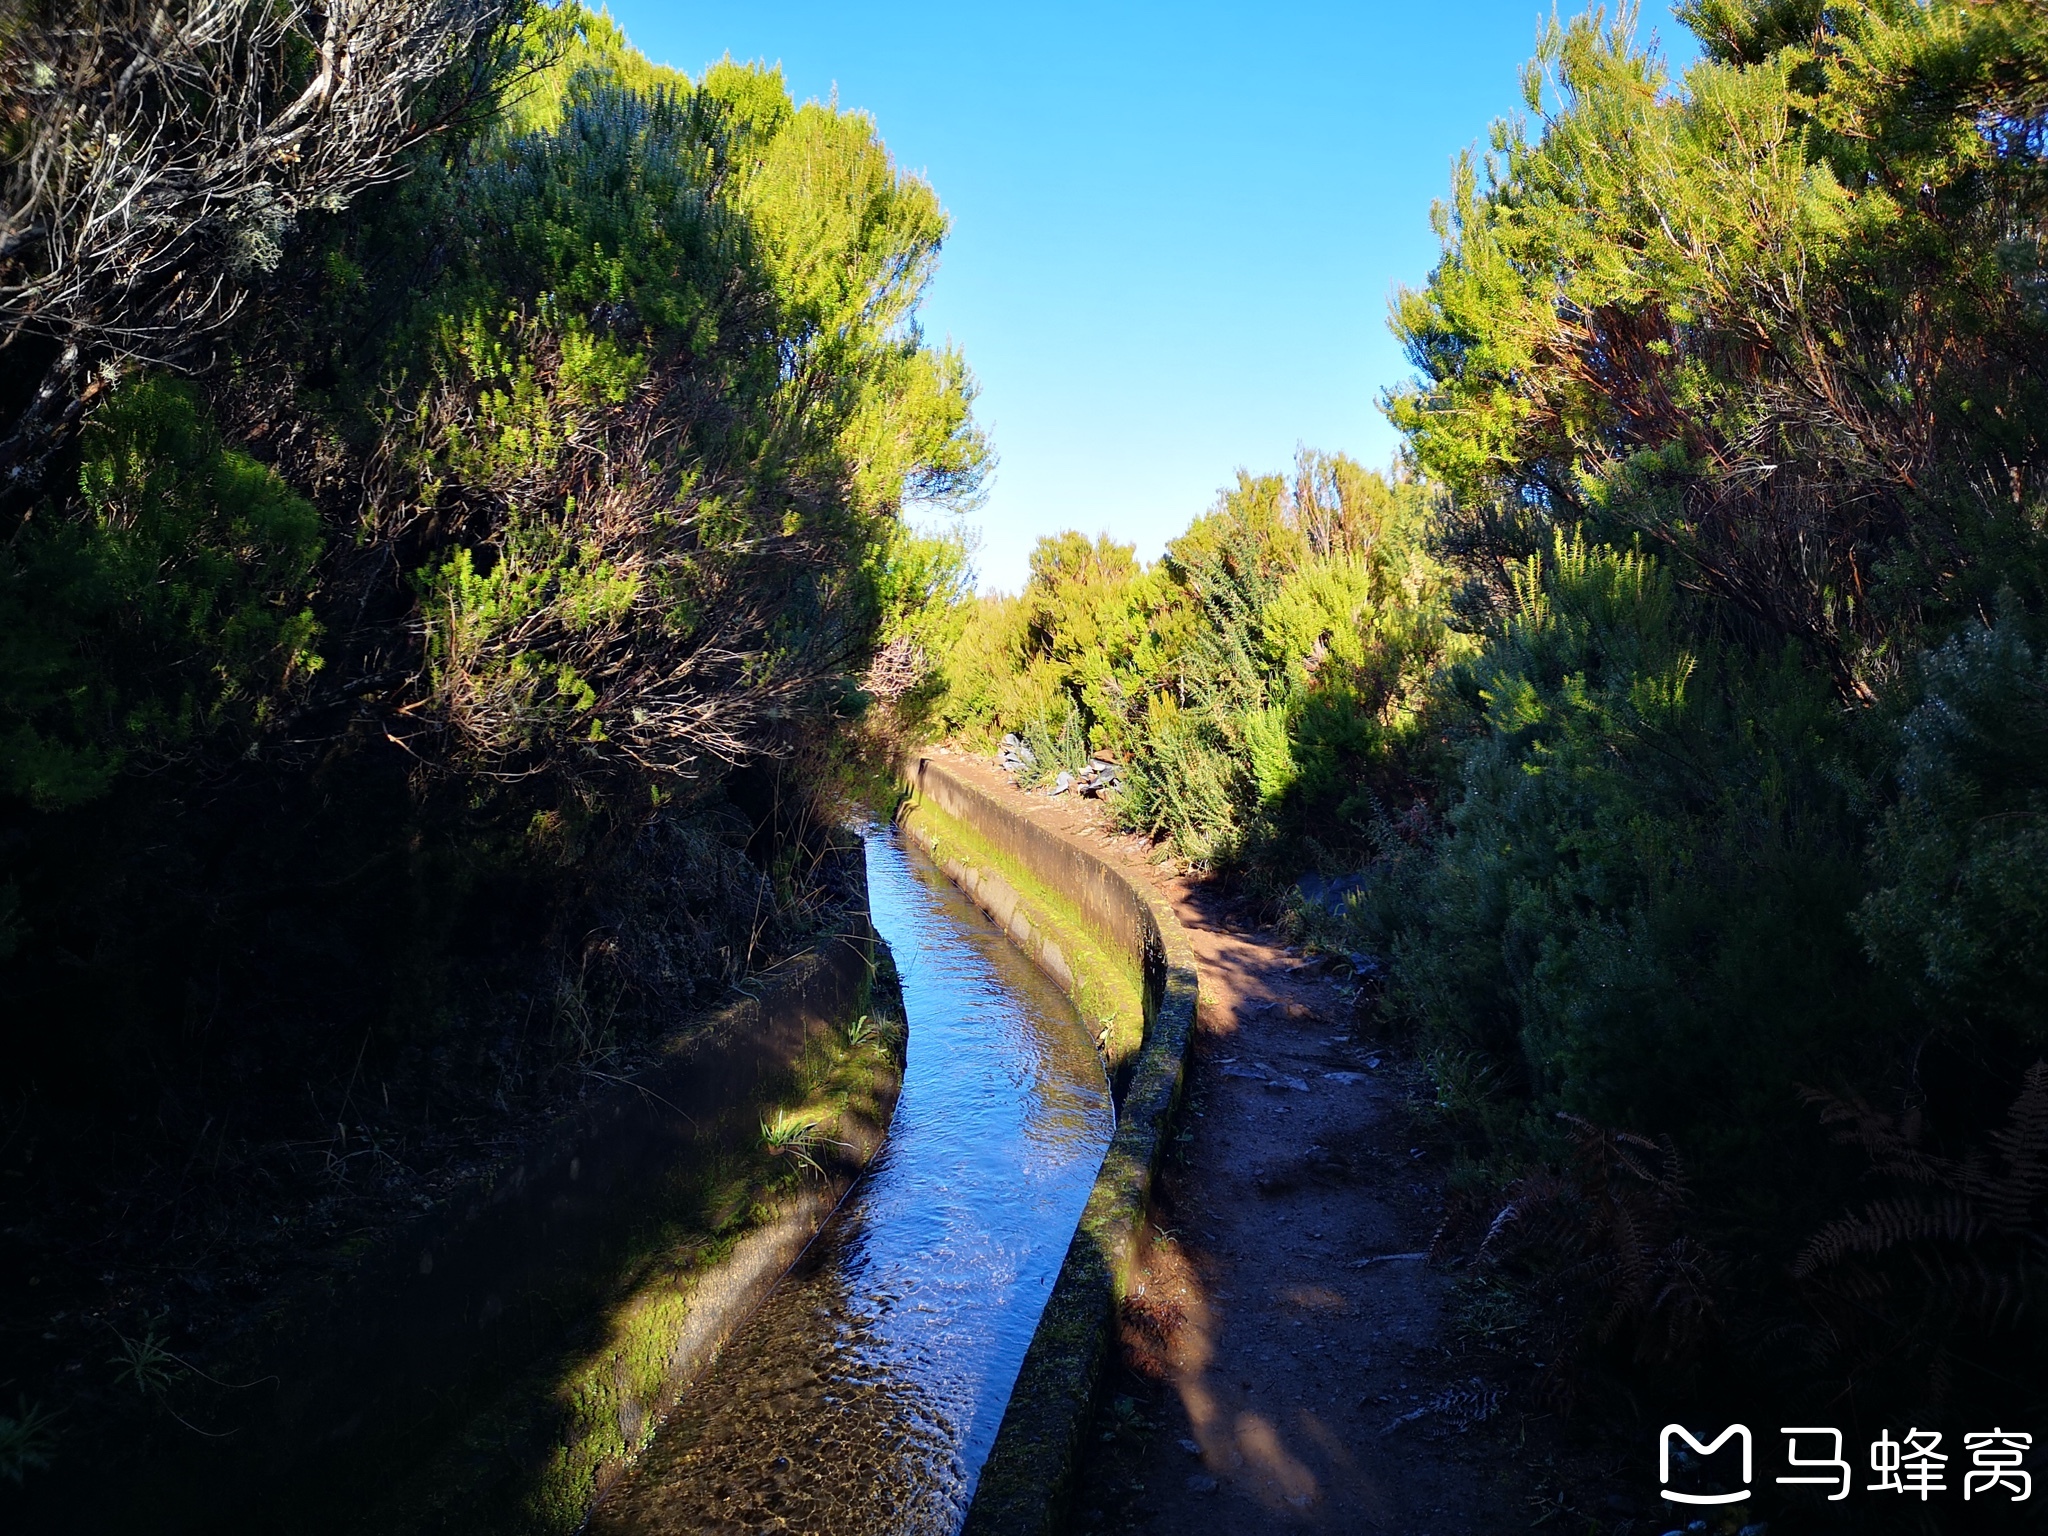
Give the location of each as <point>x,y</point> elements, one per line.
<point>161,153</point>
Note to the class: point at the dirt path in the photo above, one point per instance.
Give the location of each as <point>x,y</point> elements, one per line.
<point>1283,1363</point>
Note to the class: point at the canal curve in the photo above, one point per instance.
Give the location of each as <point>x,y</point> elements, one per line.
<point>865,1392</point>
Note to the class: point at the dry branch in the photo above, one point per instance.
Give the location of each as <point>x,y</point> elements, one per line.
<point>156,156</point>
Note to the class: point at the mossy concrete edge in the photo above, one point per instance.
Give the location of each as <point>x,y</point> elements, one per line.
<point>1027,1481</point>
<point>1105,982</point>
<point>685,1284</point>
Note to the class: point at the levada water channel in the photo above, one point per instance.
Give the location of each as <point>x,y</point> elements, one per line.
<point>865,1392</point>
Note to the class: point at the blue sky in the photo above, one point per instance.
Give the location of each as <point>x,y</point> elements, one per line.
<point>1176,229</point>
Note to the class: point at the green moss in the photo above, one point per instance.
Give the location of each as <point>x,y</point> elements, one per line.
<point>525,1450</point>
<point>1109,989</point>
<point>624,1380</point>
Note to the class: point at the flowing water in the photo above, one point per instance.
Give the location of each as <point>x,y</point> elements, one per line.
<point>864,1394</point>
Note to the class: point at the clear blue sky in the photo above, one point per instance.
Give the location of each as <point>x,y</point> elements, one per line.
<point>1175,228</point>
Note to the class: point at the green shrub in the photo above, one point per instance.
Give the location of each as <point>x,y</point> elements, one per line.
<point>1959,912</point>
<point>1731,391</point>
<point>1640,911</point>
<point>165,612</point>
<point>1267,673</point>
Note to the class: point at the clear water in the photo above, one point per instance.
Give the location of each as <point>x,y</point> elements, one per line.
<point>864,1394</point>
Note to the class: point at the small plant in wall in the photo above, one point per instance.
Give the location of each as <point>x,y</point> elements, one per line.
<point>145,1364</point>
<point>798,1136</point>
<point>874,1031</point>
<point>152,1370</point>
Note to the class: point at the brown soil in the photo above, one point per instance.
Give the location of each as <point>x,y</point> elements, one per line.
<point>1284,1361</point>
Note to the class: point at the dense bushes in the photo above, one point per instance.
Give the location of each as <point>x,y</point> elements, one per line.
<point>1733,392</point>
<point>1723,469</point>
<point>1959,912</point>
<point>428,687</point>
<point>654,400</point>
<point>559,476</point>
<point>1646,872</point>
<point>1262,683</point>
<point>169,610</point>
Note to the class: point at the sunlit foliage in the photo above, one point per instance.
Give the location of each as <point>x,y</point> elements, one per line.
<point>1266,675</point>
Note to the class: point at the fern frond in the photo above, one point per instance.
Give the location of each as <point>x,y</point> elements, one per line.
<point>1892,1145</point>
<point>1888,1224</point>
<point>2014,1197</point>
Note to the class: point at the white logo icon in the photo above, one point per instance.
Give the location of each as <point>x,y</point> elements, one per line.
<point>1664,1462</point>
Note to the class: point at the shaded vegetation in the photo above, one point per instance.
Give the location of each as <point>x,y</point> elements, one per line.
<point>418,661</point>
<point>1734,393</point>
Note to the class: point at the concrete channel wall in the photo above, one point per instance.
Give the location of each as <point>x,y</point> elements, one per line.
<point>493,1367</point>
<point>1028,1479</point>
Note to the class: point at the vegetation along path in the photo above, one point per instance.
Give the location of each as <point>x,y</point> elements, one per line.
<point>1282,1359</point>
